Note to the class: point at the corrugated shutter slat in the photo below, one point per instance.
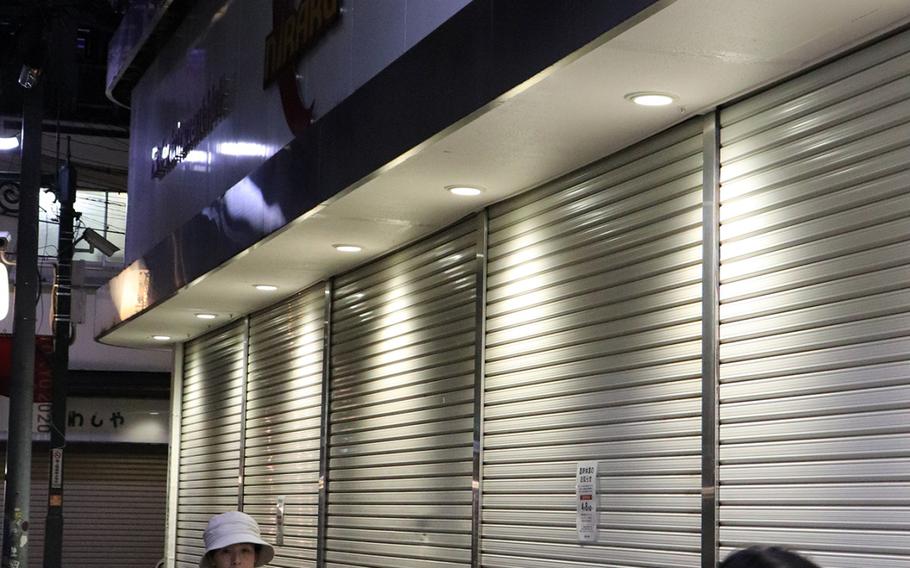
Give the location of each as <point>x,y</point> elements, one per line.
<point>402,406</point>
<point>284,401</point>
<point>593,353</point>
<point>815,341</point>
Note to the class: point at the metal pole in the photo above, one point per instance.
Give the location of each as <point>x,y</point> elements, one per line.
<point>53,526</point>
<point>22,368</point>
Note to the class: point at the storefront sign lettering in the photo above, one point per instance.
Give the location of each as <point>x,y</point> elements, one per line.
<point>185,136</point>
<point>295,33</point>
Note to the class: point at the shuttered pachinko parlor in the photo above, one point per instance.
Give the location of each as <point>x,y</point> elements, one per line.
<point>815,330</point>
<point>210,435</point>
<point>593,354</point>
<point>402,391</point>
<point>283,421</point>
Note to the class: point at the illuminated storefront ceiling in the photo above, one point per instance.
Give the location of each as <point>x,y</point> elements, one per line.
<point>559,120</point>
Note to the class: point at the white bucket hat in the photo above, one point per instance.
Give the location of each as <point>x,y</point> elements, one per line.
<point>230,528</point>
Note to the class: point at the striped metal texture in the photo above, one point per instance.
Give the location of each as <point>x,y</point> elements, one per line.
<point>210,440</point>
<point>283,418</point>
<point>402,389</point>
<point>113,508</point>
<point>815,330</point>
<point>593,353</point>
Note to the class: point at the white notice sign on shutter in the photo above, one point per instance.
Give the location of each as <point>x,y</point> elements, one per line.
<point>586,501</point>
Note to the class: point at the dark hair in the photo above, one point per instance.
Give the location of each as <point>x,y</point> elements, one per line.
<point>766,557</point>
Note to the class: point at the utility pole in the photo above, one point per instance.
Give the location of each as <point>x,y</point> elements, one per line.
<point>22,368</point>
<point>53,526</point>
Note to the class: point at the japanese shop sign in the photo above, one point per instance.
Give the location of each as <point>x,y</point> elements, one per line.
<point>117,420</point>
<point>586,501</point>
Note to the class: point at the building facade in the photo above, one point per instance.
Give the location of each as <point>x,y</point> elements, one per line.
<point>692,341</point>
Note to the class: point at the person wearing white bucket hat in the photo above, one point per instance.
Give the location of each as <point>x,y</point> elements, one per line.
<point>233,540</point>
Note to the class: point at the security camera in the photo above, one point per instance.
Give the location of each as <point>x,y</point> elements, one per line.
<point>96,241</point>
<point>5,240</point>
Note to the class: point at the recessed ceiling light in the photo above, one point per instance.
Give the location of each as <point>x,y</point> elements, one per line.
<point>651,98</point>
<point>266,287</point>
<point>161,337</point>
<point>10,143</point>
<point>347,248</point>
<point>206,316</point>
<point>464,190</point>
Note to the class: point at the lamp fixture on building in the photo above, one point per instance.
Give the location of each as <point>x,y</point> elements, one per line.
<point>464,190</point>
<point>9,142</point>
<point>348,248</point>
<point>651,98</point>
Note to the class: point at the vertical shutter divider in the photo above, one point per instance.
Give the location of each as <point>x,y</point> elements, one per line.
<point>480,319</point>
<point>325,427</point>
<point>244,386</point>
<point>710,325</point>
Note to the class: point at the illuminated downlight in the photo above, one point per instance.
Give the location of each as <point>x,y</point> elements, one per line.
<point>266,287</point>
<point>161,337</point>
<point>651,98</point>
<point>9,143</point>
<point>347,248</point>
<point>464,190</point>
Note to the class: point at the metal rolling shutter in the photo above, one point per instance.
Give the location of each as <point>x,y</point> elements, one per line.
<point>593,353</point>
<point>113,507</point>
<point>210,438</point>
<point>283,419</point>
<point>402,393</point>
<point>815,332</point>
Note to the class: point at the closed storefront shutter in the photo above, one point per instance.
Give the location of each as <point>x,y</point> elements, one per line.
<point>402,390</point>
<point>593,354</point>
<point>815,330</point>
<point>284,414</point>
<point>113,506</point>
<point>210,438</point>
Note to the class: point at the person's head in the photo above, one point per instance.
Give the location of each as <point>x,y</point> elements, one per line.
<point>233,540</point>
<point>766,557</point>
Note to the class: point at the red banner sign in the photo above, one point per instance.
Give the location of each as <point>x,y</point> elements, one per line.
<point>44,354</point>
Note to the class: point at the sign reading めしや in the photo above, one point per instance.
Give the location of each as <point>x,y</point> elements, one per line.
<point>108,420</point>
<point>586,501</point>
